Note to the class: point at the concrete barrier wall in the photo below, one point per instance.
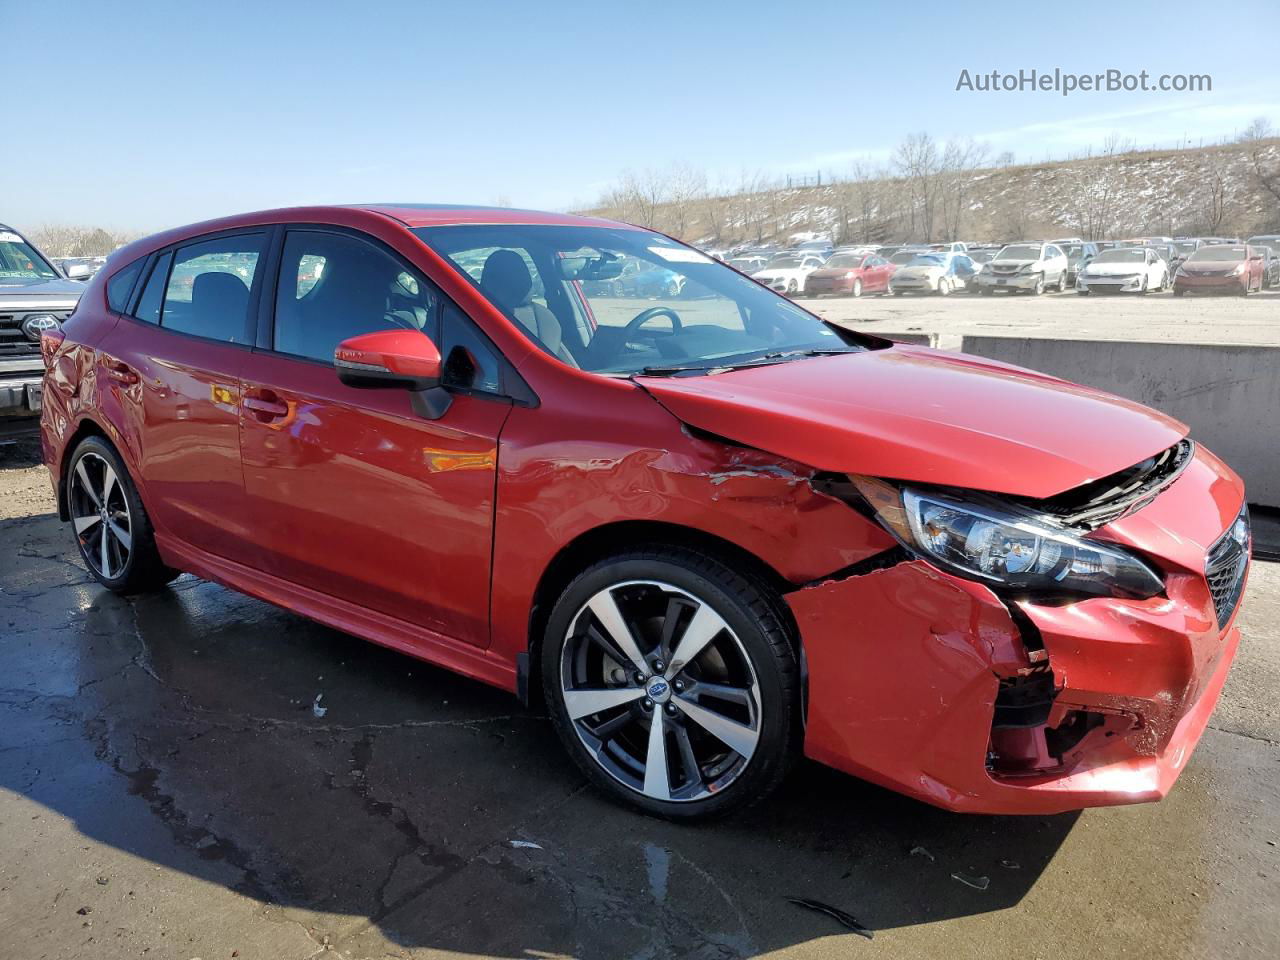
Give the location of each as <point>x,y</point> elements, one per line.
<point>1228,395</point>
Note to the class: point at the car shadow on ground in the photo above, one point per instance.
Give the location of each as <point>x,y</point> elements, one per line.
<point>377,799</point>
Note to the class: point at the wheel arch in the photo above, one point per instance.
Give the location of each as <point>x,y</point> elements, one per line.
<point>599,542</point>
<point>87,427</point>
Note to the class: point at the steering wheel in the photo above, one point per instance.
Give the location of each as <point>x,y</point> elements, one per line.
<point>644,316</point>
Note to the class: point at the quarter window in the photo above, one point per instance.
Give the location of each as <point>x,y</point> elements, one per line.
<point>208,290</point>
<point>334,286</point>
<point>148,309</point>
<point>120,286</point>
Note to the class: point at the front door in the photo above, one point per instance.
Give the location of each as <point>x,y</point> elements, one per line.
<point>351,492</point>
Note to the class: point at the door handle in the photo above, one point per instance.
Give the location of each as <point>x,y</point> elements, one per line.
<point>120,371</point>
<point>265,405</point>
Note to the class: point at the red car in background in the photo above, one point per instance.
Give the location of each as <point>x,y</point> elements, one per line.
<point>1225,268</point>
<point>711,533</point>
<point>850,274</point>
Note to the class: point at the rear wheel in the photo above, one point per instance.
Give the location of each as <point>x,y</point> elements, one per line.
<point>113,531</point>
<point>673,682</point>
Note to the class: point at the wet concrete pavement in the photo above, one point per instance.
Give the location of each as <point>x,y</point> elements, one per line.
<point>169,787</point>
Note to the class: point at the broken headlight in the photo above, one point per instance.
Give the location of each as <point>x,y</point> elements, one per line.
<point>1004,546</point>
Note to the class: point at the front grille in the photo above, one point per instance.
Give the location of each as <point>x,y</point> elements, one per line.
<point>1225,567</point>
<point>13,342</point>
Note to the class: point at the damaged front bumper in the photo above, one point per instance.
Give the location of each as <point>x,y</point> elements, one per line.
<point>937,687</point>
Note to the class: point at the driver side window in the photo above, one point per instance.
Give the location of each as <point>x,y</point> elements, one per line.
<point>333,286</point>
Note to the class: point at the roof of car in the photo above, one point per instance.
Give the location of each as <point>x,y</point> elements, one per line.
<point>444,214</point>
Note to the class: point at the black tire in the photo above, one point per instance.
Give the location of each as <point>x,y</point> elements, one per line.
<point>1062,282</point>
<point>757,626</point>
<point>1177,292</point>
<point>1038,289</point>
<point>136,568</point>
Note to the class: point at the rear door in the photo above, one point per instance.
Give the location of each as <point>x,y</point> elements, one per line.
<point>175,365</point>
<point>351,492</point>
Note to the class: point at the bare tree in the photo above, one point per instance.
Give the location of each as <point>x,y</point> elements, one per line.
<point>61,240</point>
<point>685,189</point>
<point>959,160</point>
<point>1264,160</point>
<point>916,158</point>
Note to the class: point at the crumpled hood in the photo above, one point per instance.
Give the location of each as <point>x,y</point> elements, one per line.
<point>904,273</point>
<point>783,273</point>
<point>911,413</point>
<point>1096,269</point>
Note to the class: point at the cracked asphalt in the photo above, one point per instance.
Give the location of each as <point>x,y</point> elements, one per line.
<point>170,787</point>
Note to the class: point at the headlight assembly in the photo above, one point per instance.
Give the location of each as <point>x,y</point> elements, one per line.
<point>1003,546</point>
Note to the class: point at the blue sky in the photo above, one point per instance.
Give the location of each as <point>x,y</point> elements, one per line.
<point>141,115</point>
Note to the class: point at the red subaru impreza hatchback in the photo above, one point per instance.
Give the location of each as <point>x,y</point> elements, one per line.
<point>710,531</point>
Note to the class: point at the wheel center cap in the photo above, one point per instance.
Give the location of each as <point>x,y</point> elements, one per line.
<point>658,690</point>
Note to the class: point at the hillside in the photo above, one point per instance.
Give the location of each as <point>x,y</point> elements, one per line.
<point>1208,190</point>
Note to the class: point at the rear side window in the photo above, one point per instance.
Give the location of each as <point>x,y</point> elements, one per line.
<point>120,286</point>
<point>148,309</point>
<point>333,286</point>
<point>208,290</point>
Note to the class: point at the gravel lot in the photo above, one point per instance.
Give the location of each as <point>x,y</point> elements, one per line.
<point>197,774</point>
<point>1156,316</point>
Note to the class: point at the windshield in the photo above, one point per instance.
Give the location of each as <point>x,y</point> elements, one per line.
<point>1219,254</point>
<point>1023,251</point>
<point>925,260</point>
<point>20,261</point>
<point>903,257</point>
<point>568,289</point>
<point>1122,255</point>
<point>845,260</point>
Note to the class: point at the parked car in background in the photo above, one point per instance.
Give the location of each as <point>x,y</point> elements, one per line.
<point>708,542</point>
<point>1026,267</point>
<point>851,274</point>
<point>1078,255</point>
<point>1270,263</point>
<point>1124,270</point>
<point>787,273</point>
<point>748,263</point>
<point>983,254</point>
<point>1234,268</point>
<point>652,281</point>
<point>938,272</point>
<point>35,298</point>
<point>1170,254</point>
<point>1271,240</point>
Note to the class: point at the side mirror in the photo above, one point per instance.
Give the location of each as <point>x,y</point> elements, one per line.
<point>78,271</point>
<point>403,359</point>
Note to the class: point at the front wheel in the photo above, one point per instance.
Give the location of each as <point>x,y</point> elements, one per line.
<point>857,287</point>
<point>1062,282</point>
<point>673,682</point>
<point>944,286</point>
<point>1039,287</point>
<point>113,531</point>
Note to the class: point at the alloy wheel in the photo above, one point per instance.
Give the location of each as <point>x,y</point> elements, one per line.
<point>660,691</point>
<point>100,514</point>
